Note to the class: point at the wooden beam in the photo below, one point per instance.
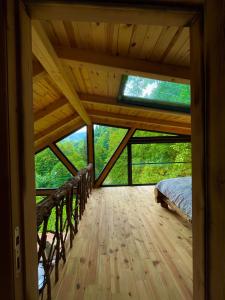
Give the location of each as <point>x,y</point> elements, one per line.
<point>112,103</point>
<point>114,158</point>
<point>59,134</point>
<point>64,160</point>
<point>55,127</point>
<point>198,159</point>
<point>90,140</point>
<point>214,48</point>
<point>120,14</point>
<point>75,57</point>
<point>38,72</point>
<point>145,126</point>
<point>50,109</point>
<point>62,77</point>
<point>140,120</point>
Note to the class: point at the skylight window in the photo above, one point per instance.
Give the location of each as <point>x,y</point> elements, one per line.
<point>155,93</point>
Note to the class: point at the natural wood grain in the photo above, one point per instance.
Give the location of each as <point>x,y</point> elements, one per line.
<point>123,65</point>
<point>112,14</point>
<point>128,247</point>
<point>45,53</point>
<point>198,159</point>
<point>114,157</point>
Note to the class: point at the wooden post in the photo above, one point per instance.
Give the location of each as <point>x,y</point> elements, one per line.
<point>90,146</point>
<point>64,160</point>
<point>215,147</point>
<point>198,158</point>
<point>18,273</point>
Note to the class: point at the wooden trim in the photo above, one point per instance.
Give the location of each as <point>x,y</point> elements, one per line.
<point>64,160</point>
<point>112,102</point>
<point>59,134</point>
<point>140,120</point>
<point>114,158</point>
<point>75,57</point>
<point>55,127</point>
<point>120,14</point>
<point>145,126</point>
<point>17,159</point>
<point>214,47</point>
<point>198,159</point>
<point>45,192</point>
<point>50,109</point>
<point>45,53</point>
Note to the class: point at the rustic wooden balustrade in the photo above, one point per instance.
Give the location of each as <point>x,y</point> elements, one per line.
<point>58,217</point>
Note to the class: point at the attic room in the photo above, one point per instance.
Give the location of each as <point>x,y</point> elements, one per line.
<point>112,160</point>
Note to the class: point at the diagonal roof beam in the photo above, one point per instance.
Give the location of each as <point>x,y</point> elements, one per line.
<point>45,53</point>
<point>75,57</point>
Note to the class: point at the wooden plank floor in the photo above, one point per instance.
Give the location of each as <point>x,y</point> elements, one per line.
<point>128,247</point>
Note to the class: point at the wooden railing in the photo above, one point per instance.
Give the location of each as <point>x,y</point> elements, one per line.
<point>58,217</point>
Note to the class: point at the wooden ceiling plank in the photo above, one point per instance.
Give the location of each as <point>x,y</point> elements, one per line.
<point>122,14</point>
<point>45,53</point>
<point>54,127</point>
<point>60,133</point>
<point>99,61</point>
<point>50,109</point>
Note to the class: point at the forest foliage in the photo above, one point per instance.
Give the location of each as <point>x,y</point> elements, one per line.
<point>150,162</point>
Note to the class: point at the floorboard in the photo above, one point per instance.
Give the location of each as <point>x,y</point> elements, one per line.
<point>128,247</point>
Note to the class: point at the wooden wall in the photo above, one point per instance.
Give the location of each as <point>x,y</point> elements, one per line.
<point>17,155</point>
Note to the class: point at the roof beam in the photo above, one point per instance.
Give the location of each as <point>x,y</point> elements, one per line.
<point>114,158</point>
<point>139,120</point>
<point>50,109</point>
<point>123,14</point>
<point>55,127</point>
<point>62,131</point>
<point>123,65</point>
<point>145,126</point>
<point>45,53</point>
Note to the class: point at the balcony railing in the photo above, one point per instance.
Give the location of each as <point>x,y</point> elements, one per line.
<point>58,217</point>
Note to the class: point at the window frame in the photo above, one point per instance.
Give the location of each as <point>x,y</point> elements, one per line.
<point>151,103</point>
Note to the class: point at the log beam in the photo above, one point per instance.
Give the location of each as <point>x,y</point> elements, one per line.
<point>75,57</point>
<point>114,158</point>
<point>45,53</point>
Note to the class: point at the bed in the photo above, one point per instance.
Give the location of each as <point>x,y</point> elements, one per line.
<point>176,193</point>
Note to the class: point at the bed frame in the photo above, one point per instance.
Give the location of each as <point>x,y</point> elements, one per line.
<point>166,203</point>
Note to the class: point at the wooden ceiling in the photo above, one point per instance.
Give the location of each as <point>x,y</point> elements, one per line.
<point>78,64</point>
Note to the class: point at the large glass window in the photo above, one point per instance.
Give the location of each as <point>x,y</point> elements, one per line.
<point>49,171</point>
<point>74,147</point>
<point>155,93</point>
<point>145,133</point>
<point>154,162</point>
<point>106,141</point>
<point>119,173</point>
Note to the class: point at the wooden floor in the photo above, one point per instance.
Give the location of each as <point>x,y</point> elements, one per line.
<point>128,247</point>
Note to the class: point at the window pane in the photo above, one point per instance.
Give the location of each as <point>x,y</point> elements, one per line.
<point>119,173</point>
<point>106,141</point>
<point>146,88</point>
<point>49,171</point>
<point>74,148</point>
<point>154,162</point>
<point>144,133</point>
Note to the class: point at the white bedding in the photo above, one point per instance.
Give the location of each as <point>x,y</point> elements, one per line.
<point>179,191</point>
